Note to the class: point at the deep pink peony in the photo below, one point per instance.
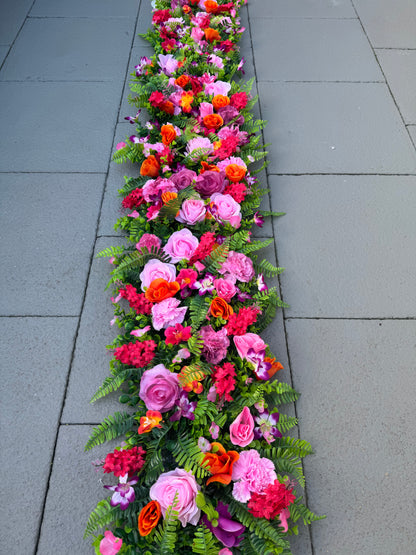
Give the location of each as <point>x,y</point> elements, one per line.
<point>159,388</point>
<point>239,266</point>
<point>225,288</point>
<point>251,473</point>
<point>183,484</point>
<point>148,240</point>
<point>248,341</point>
<point>224,208</point>
<point>181,245</point>
<point>215,344</point>
<point>192,211</point>
<point>156,269</point>
<point>167,313</point>
<point>242,429</point>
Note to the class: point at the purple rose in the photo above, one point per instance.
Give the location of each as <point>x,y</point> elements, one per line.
<point>192,211</point>
<point>159,388</point>
<point>183,178</point>
<point>215,344</point>
<point>181,245</point>
<point>209,183</point>
<point>228,113</point>
<point>239,266</point>
<point>228,531</point>
<point>224,208</point>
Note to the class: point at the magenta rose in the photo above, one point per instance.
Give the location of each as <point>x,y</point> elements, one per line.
<point>225,288</point>
<point>225,208</point>
<point>181,245</point>
<point>182,484</point>
<point>183,178</point>
<point>239,266</point>
<point>209,183</point>
<point>168,313</point>
<point>242,429</point>
<point>248,341</point>
<point>148,240</point>
<point>159,388</point>
<point>192,211</point>
<point>156,269</point>
<point>215,344</point>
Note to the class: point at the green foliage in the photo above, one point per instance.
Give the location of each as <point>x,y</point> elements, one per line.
<point>298,447</point>
<point>280,393</point>
<point>111,251</point>
<point>218,256</point>
<point>171,208</point>
<point>286,462</point>
<point>102,515</point>
<point>256,245</point>
<point>196,344</point>
<point>198,310</point>
<point>205,542</point>
<point>299,510</point>
<point>267,268</point>
<point>286,423</point>
<point>111,427</point>
<point>189,456</point>
<point>253,545</point>
<point>165,535</point>
<point>112,383</point>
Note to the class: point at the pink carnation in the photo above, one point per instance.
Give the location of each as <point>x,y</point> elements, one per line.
<point>156,269</point>
<point>251,473</point>
<point>148,240</point>
<point>159,388</point>
<point>224,208</point>
<point>248,341</point>
<point>167,313</point>
<point>242,429</point>
<point>215,344</point>
<point>182,484</point>
<point>239,266</point>
<point>181,245</point>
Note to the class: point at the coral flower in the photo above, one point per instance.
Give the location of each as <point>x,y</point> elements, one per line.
<point>213,121</point>
<point>150,167</point>
<point>211,6</point>
<point>167,196</point>
<point>235,173</point>
<point>167,107</point>
<point>182,80</point>
<point>209,167</point>
<point>149,517</point>
<point>186,101</point>
<point>160,289</point>
<point>150,421</point>
<point>212,34</point>
<point>168,134</point>
<point>220,463</point>
<point>220,101</point>
<point>220,308</point>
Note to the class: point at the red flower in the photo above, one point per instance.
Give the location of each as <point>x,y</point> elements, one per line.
<point>160,16</point>
<point>136,300</point>
<point>205,247</point>
<point>134,199</point>
<point>127,461</point>
<point>186,277</point>
<point>239,100</point>
<point>176,334</point>
<point>156,98</point>
<point>237,190</point>
<point>271,502</point>
<point>137,354</point>
<point>227,148</point>
<point>224,381</point>
<point>239,322</point>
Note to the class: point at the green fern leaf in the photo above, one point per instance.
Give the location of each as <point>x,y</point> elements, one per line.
<point>198,310</point>
<point>299,510</point>
<point>286,423</point>
<point>111,427</point>
<point>111,251</point>
<point>218,256</point>
<point>267,268</point>
<point>101,516</point>
<point>205,542</point>
<point>111,383</point>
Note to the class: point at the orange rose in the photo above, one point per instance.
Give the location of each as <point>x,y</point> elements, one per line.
<point>208,167</point>
<point>168,134</point>
<point>150,167</point>
<point>167,107</point>
<point>212,34</point>
<point>235,173</point>
<point>167,196</point>
<point>160,289</point>
<point>220,308</point>
<point>182,81</point>
<point>149,516</point>
<point>220,101</point>
<point>220,463</point>
<point>213,121</point>
<point>210,6</point>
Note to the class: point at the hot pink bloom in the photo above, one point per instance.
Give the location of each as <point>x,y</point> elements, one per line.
<point>141,331</point>
<point>225,288</point>
<point>225,208</point>
<point>248,341</point>
<point>197,34</point>
<point>110,545</point>
<point>192,211</point>
<point>242,429</point>
<point>176,334</point>
<point>121,145</point>
<point>239,266</point>
<point>251,473</point>
<point>181,245</point>
<point>167,313</point>
<point>219,87</point>
<point>182,484</point>
<point>148,240</point>
<point>159,388</point>
<point>186,278</point>
<point>206,109</point>
<point>156,269</point>
<point>225,551</point>
<point>284,515</point>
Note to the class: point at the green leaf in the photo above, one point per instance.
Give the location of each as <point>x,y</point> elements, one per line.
<point>101,516</point>
<point>204,542</point>
<point>111,427</point>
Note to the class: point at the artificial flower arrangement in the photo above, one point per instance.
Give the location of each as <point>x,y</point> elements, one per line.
<point>205,466</point>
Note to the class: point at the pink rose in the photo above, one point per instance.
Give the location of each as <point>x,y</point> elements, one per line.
<point>183,484</point>
<point>206,109</point>
<point>156,269</point>
<point>239,266</point>
<point>225,208</point>
<point>148,240</point>
<point>225,289</point>
<point>248,341</point>
<point>181,245</point>
<point>242,429</point>
<point>159,388</point>
<point>192,211</point>
<point>167,313</point>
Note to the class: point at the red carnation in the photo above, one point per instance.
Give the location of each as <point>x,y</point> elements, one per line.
<point>224,381</point>
<point>237,190</point>
<point>134,199</point>
<point>205,247</point>
<point>239,322</point>
<point>239,100</point>
<point>138,354</point>
<point>127,461</point>
<point>156,99</point>
<point>160,16</point>
<point>227,148</point>
<point>271,502</point>
<point>136,300</point>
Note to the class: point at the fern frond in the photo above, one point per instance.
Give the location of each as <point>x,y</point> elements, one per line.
<point>111,383</point>
<point>189,456</point>
<point>299,510</point>
<point>298,447</point>
<point>218,256</point>
<point>193,373</point>
<point>256,245</point>
<point>281,393</point>
<point>204,542</point>
<point>165,535</point>
<point>111,427</point>
<point>267,268</point>
<point>198,310</point>
<point>286,423</point>
<point>196,344</point>
<point>102,515</point>
<point>111,251</point>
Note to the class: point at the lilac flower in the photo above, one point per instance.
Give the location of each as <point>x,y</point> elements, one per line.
<point>261,367</point>
<point>258,219</point>
<point>261,285</point>
<point>267,426</point>
<point>144,61</point>
<point>123,493</point>
<point>205,285</point>
<point>167,63</point>
<point>227,531</point>
<point>181,354</point>
<point>242,296</point>
<point>214,430</point>
<point>185,408</point>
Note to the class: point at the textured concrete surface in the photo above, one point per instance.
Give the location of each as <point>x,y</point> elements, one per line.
<point>348,244</point>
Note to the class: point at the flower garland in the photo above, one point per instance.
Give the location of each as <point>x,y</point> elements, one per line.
<point>205,467</point>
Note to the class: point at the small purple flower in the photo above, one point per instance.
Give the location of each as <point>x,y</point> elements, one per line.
<point>261,367</point>
<point>261,284</point>
<point>241,296</point>
<point>258,219</point>
<point>132,119</point>
<point>227,531</point>
<point>205,285</point>
<point>267,426</point>
<point>240,65</point>
<point>123,493</point>
<point>185,408</point>
<point>144,61</point>
<point>214,430</point>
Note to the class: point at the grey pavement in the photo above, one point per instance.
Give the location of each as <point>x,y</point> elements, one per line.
<point>337,84</point>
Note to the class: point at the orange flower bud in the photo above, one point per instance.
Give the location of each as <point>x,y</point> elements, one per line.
<point>149,517</point>
<point>168,134</point>
<point>220,463</point>
<point>160,289</point>
<point>212,34</point>
<point>182,81</point>
<point>210,6</point>
<point>235,173</point>
<point>220,101</point>
<point>220,308</point>
<point>150,167</point>
<point>208,167</point>
<point>213,121</point>
<point>167,196</point>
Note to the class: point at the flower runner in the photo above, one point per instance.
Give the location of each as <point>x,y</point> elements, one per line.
<point>205,466</point>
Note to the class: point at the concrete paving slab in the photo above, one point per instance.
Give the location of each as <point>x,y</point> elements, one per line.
<point>80,8</point>
<point>70,49</point>
<point>334,128</point>
<point>312,50</point>
<point>12,16</point>
<point>389,23</point>
<point>348,244</point>
<point>301,8</point>
<point>46,253</point>
<point>399,67</point>
<point>57,127</point>
<point>36,358</point>
<point>412,131</point>
<point>74,492</point>
<point>3,53</point>
<point>358,411</point>
<point>144,21</point>
<point>91,358</point>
